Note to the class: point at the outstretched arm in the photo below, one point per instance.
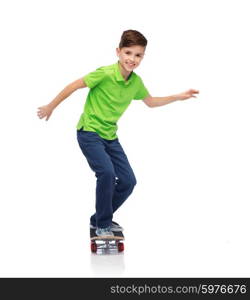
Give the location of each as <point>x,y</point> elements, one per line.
<point>160,101</point>
<point>46,110</point>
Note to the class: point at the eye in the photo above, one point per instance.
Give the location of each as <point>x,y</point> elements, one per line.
<point>128,53</point>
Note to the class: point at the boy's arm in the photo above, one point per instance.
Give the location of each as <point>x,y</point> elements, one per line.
<point>46,110</point>
<point>160,101</point>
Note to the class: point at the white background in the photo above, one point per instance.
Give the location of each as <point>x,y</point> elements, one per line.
<point>189,213</point>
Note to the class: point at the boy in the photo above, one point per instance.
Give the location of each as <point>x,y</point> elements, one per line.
<point>112,88</point>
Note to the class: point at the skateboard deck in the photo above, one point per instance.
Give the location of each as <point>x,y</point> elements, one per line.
<point>106,243</point>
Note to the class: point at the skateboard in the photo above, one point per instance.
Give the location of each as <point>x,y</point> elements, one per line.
<point>106,243</point>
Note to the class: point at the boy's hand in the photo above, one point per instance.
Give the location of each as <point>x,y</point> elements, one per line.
<point>44,111</point>
<point>188,94</point>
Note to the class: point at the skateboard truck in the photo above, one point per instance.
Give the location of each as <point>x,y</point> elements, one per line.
<point>108,243</point>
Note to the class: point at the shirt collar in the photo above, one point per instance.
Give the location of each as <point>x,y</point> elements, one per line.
<point>119,76</point>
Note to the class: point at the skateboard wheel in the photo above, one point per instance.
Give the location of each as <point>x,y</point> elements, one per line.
<point>120,247</point>
<point>93,247</point>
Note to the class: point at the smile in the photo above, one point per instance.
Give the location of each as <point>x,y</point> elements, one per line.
<point>131,65</point>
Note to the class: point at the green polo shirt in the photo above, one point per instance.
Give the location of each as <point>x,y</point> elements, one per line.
<point>109,96</point>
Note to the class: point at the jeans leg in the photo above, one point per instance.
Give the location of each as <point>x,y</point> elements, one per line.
<point>126,178</point>
<point>99,161</point>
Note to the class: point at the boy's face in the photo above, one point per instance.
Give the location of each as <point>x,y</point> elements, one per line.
<point>130,57</point>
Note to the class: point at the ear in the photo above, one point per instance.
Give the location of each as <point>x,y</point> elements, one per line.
<point>117,51</point>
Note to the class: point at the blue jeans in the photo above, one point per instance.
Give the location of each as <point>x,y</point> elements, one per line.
<point>115,177</point>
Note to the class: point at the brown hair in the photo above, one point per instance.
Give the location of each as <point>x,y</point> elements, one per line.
<point>132,38</point>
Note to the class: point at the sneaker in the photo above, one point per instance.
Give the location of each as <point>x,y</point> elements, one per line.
<point>104,232</point>
<point>114,227</point>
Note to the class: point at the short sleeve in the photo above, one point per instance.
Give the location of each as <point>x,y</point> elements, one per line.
<point>94,78</point>
<point>142,91</point>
